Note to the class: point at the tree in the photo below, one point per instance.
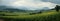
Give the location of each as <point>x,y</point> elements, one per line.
<point>57,8</point>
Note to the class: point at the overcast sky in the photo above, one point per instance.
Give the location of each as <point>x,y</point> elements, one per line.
<point>30,4</point>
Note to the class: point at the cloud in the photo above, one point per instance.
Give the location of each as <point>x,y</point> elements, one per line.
<point>52,1</point>
<point>29,4</point>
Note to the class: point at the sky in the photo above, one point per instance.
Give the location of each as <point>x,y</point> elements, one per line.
<point>30,4</point>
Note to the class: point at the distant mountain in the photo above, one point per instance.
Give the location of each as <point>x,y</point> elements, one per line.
<point>45,8</point>
<point>12,9</point>
<point>4,8</point>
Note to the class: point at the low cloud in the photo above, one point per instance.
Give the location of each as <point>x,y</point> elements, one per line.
<point>29,4</point>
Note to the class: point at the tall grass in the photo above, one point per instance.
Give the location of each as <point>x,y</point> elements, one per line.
<point>46,16</point>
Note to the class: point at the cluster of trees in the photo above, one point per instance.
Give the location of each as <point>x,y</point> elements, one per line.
<point>36,13</point>
<point>57,8</point>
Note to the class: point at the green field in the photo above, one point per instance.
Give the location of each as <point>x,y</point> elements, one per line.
<point>51,15</point>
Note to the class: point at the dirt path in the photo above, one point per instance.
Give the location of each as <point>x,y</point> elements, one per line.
<point>2,20</point>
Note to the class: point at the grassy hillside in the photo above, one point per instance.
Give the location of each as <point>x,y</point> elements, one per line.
<point>45,16</point>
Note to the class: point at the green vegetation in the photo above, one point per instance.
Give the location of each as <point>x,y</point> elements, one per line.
<point>45,16</point>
